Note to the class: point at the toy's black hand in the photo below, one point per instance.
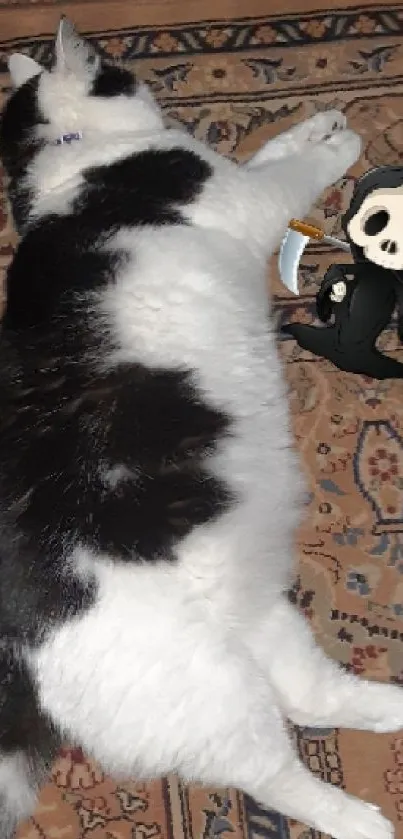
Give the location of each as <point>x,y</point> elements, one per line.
<point>338,292</point>
<point>335,274</point>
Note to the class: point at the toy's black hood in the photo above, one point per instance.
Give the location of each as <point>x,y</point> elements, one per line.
<point>386,177</point>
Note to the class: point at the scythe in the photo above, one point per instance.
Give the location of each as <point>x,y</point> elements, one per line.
<point>293,245</point>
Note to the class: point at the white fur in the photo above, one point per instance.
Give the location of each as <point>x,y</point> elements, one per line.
<point>22,68</point>
<point>191,667</point>
<point>18,793</point>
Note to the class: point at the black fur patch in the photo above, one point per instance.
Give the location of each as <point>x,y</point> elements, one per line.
<point>74,430</point>
<point>154,184</point>
<point>20,117</point>
<point>61,255</point>
<point>18,143</point>
<point>63,425</point>
<point>113,81</point>
<point>23,727</point>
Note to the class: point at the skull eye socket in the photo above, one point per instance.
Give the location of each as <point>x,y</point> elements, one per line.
<point>376,222</point>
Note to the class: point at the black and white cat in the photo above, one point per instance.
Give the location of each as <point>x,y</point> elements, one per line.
<point>149,492</point>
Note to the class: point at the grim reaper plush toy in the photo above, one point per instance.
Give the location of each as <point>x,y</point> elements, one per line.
<point>362,296</point>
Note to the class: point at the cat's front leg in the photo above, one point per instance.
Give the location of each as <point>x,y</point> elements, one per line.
<point>299,137</point>
<point>288,186</point>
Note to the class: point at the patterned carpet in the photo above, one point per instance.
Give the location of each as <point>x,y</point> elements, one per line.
<point>236,78</point>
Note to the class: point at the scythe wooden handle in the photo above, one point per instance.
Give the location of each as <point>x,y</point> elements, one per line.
<point>306,229</point>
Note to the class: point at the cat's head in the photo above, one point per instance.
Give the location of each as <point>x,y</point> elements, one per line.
<point>80,93</point>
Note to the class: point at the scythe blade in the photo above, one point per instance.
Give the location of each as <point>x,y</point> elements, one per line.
<point>293,245</point>
<point>291,250</point>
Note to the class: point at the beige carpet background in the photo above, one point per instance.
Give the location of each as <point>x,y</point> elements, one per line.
<point>236,72</point>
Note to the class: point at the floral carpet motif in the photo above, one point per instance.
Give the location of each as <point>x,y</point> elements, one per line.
<point>235,75</point>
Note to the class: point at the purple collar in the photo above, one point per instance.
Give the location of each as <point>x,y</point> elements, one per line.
<point>68,138</point>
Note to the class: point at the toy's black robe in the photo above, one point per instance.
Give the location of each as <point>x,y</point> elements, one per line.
<point>371,297</point>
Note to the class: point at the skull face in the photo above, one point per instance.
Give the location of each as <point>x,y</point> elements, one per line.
<point>377,227</point>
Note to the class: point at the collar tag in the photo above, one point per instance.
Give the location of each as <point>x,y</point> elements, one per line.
<point>68,138</point>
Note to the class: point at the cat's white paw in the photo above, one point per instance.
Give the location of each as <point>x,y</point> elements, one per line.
<point>382,709</point>
<point>335,154</point>
<point>357,820</point>
<point>324,125</point>
<point>331,147</point>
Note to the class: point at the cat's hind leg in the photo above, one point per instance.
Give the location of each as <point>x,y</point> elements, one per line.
<point>312,689</point>
<point>243,743</point>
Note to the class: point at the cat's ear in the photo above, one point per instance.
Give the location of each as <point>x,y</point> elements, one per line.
<point>22,68</point>
<point>74,54</point>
